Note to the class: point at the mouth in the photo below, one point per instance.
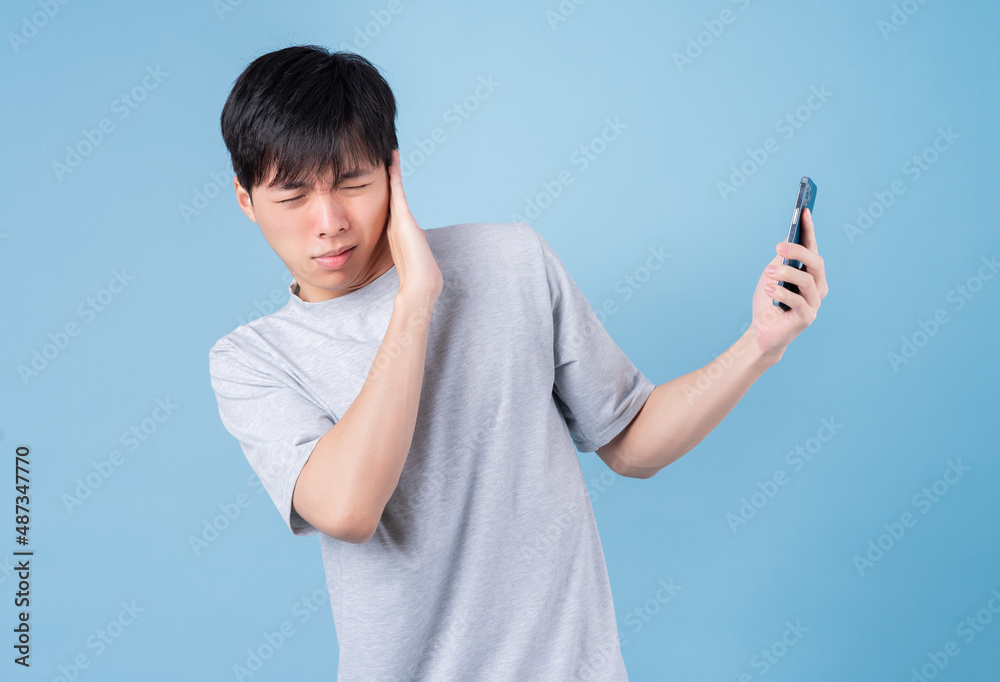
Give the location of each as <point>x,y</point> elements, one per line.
<point>334,253</point>
<point>334,259</point>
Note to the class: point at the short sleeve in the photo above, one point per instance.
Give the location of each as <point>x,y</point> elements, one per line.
<point>597,388</point>
<point>276,425</point>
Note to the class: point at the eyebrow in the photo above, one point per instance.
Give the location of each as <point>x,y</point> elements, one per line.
<point>346,175</point>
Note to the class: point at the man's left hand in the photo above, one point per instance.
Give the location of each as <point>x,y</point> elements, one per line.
<point>773,327</point>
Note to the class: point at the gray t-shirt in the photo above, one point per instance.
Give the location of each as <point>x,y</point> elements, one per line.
<point>486,564</point>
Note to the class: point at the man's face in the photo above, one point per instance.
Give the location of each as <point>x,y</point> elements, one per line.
<point>302,223</point>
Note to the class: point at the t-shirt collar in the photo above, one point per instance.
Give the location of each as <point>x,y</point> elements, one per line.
<point>377,291</point>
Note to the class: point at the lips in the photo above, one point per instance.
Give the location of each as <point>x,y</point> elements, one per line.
<point>328,254</point>
<point>336,261</point>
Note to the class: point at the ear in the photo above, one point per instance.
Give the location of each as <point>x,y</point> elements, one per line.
<point>243,199</point>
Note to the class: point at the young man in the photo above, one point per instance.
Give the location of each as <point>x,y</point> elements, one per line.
<point>417,401</point>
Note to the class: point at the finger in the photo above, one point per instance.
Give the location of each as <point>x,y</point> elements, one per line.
<point>803,280</point>
<point>397,197</point>
<point>814,263</point>
<point>812,260</point>
<point>800,308</point>
<point>809,231</point>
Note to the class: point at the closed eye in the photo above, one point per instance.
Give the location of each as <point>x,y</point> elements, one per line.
<point>285,201</point>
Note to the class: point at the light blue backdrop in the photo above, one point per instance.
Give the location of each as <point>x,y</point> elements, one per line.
<point>125,257</point>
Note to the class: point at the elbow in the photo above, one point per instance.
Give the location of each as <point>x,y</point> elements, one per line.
<point>353,529</point>
<point>630,470</point>
<point>355,536</point>
<point>348,527</point>
<point>618,463</point>
<point>355,533</point>
<point>642,472</point>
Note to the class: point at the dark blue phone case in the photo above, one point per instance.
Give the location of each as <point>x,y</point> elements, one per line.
<point>805,199</point>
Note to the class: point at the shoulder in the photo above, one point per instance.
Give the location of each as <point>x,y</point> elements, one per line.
<point>494,264</point>
<point>250,339</point>
<point>511,235</point>
<point>513,243</point>
<point>225,354</point>
<point>245,349</point>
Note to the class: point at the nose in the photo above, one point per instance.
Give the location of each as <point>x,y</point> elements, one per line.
<point>330,216</point>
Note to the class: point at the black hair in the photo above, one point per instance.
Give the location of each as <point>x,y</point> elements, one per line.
<point>303,110</point>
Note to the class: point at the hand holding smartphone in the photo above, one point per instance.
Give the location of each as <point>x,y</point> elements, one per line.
<point>805,199</point>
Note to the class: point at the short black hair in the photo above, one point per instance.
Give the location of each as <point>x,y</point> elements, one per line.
<point>303,110</point>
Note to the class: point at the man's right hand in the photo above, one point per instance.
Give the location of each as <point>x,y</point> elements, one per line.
<point>418,272</point>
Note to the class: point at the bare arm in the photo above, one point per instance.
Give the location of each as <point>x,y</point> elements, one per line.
<point>355,467</point>
<point>680,413</point>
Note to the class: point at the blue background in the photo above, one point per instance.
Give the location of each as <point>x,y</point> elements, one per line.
<point>557,78</point>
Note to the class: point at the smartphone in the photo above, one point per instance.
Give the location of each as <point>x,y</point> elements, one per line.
<point>805,199</point>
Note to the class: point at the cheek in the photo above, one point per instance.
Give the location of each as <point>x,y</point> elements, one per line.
<point>280,230</point>
<point>376,209</point>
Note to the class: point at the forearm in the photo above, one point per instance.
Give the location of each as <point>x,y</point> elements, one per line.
<point>356,466</point>
<point>680,413</point>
